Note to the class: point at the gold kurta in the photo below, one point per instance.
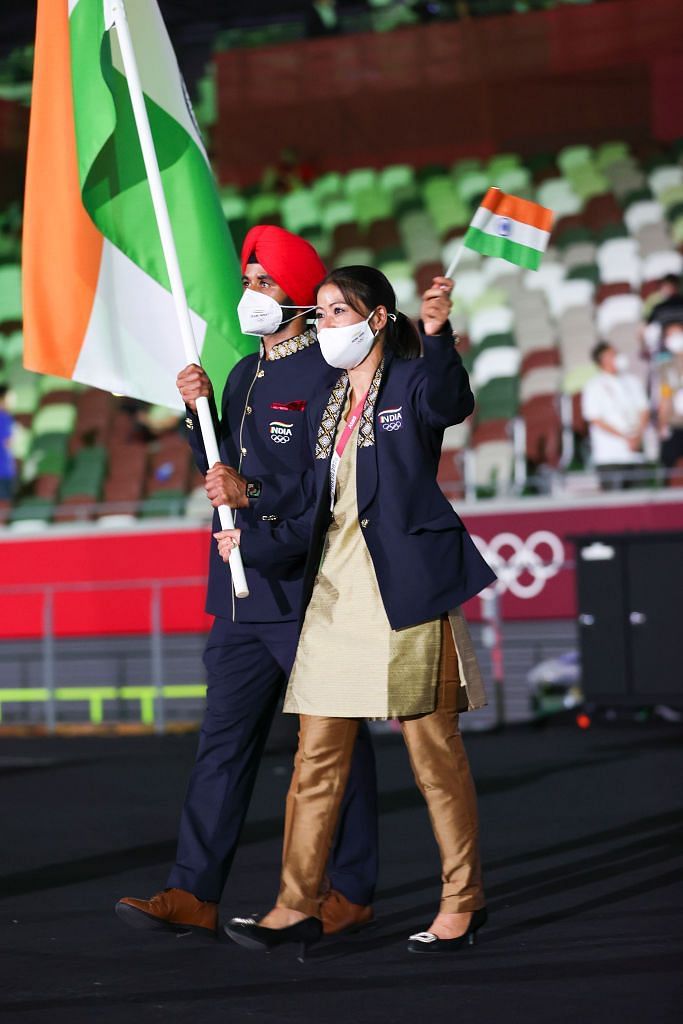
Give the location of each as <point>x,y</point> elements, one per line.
<point>350,663</point>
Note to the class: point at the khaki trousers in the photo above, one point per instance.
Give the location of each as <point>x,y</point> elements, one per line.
<point>442,773</point>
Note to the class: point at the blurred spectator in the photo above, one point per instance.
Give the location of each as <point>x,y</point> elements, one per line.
<point>667,309</point>
<point>291,172</point>
<point>615,406</point>
<point>322,19</point>
<point>670,405</point>
<point>7,469</point>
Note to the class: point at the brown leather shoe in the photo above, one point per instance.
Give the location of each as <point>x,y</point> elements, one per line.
<point>171,910</point>
<point>341,915</point>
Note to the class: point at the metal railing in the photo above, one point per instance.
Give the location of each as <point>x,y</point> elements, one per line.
<point>152,697</point>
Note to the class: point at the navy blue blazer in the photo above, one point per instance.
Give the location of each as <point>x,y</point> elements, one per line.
<point>425,560</point>
<point>262,432</point>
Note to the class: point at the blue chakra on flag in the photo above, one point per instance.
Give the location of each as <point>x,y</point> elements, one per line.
<point>505,227</point>
<point>390,419</point>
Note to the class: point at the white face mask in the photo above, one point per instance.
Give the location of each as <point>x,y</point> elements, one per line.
<point>346,347</point>
<point>261,314</point>
<point>674,342</point>
<point>620,362</point>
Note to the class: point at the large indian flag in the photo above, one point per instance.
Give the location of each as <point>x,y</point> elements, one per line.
<point>510,228</point>
<point>97,301</point>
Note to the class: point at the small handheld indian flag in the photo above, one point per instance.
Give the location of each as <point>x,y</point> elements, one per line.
<point>509,228</point>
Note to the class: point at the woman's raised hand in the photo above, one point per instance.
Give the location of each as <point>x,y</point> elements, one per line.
<point>436,305</point>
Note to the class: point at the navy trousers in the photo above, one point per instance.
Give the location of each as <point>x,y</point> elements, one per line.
<point>247,668</point>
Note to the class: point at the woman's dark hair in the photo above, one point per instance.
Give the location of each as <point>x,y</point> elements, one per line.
<point>365,288</point>
<point>599,350</point>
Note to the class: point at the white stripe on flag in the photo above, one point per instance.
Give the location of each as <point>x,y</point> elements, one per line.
<point>515,230</point>
<point>132,335</point>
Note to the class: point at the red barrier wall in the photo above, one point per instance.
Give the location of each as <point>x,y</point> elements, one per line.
<point>515,540</point>
<point>433,92</point>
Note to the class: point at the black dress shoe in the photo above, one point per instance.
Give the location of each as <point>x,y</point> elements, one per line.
<point>427,942</point>
<point>246,932</point>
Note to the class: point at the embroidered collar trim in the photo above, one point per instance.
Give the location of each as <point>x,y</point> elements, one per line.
<point>333,410</point>
<point>290,346</point>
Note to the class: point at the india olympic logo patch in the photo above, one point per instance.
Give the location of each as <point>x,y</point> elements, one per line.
<point>390,419</point>
<point>280,433</point>
<point>505,227</point>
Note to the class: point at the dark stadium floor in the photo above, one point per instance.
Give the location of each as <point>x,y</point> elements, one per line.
<point>583,863</point>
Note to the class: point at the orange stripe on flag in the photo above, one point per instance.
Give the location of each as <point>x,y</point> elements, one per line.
<point>62,247</point>
<point>522,210</point>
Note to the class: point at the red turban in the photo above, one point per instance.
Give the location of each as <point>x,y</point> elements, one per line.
<point>291,261</point>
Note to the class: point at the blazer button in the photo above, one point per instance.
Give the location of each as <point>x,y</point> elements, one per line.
<point>248,410</point>
<point>188,423</point>
<point>261,373</point>
<point>364,523</point>
<point>244,451</point>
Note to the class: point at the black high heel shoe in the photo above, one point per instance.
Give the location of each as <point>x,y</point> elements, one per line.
<point>246,932</point>
<point>427,942</point>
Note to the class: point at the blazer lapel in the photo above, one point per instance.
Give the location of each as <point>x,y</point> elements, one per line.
<point>366,463</point>
<point>330,419</point>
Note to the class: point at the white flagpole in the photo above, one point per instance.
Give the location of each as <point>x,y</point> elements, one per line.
<point>455,261</point>
<point>115,15</point>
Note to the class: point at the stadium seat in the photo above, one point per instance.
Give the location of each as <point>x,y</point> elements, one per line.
<point>618,260</point>
<point>558,195</point>
<point>493,466</point>
<point>620,309</point>
<point>658,264</point>
<point>10,292</point>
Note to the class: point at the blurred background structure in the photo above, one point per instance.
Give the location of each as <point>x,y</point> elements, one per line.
<point>372,129</point>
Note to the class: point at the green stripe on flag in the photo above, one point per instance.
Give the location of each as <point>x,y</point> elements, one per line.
<point>503,248</point>
<point>116,192</point>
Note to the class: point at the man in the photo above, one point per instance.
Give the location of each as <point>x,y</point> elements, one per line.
<point>670,402</point>
<point>251,646</point>
<point>666,308</point>
<point>615,406</point>
<point>6,460</point>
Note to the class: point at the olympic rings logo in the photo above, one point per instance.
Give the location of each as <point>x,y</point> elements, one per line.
<point>393,425</point>
<point>523,567</point>
<point>281,438</point>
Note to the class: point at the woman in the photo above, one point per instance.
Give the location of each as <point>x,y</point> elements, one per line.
<point>389,564</point>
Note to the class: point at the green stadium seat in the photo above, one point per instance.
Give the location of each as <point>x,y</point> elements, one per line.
<point>611,152</point>
<point>32,509</point>
<point>299,211</point>
<point>503,162</point>
<point>86,474</point>
<point>10,292</point>
<point>264,209</point>
<point>498,400</point>
<point>371,204</point>
<point>49,384</point>
<point>359,180</point>
<point>446,208</point>
<point>163,504</point>
<point>516,181</point>
<point>471,187</point>
<point>586,271</point>
<point>12,347</point>
<point>328,186</point>
<point>336,212</point>
<point>461,168</point>
<point>54,419</point>
<point>572,157</point>
<point>396,177</point>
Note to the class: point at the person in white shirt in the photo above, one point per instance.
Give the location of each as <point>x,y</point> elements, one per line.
<point>615,406</point>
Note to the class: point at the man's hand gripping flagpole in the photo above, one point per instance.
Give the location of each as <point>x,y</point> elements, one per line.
<point>115,15</point>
